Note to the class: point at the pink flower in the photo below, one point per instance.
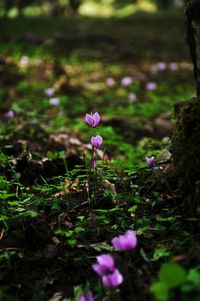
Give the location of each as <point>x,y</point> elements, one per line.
<point>105,265</point>
<point>10,114</point>
<point>49,92</point>
<point>88,297</point>
<point>162,66</point>
<point>54,101</point>
<point>173,66</point>
<point>92,119</point>
<point>96,141</point>
<point>132,97</point>
<point>110,82</point>
<point>150,161</point>
<point>126,81</point>
<point>125,242</point>
<point>112,280</point>
<point>151,86</point>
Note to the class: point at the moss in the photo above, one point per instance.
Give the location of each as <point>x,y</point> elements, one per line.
<point>186,151</point>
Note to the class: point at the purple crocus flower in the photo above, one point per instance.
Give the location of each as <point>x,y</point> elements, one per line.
<point>88,297</point>
<point>112,280</point>
<point>125,242</point>
<point>105,265</point>
<point>10,114</point>
<point>150,161</point>
<point>126,81</point>
<point>92,119</point>
<point>49,92</point>
<point>151,86</point>
<point>110,82</point>
<point>54,101</point>
<point>96,141</point>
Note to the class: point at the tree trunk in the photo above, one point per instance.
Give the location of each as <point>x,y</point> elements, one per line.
<point>186,135</point>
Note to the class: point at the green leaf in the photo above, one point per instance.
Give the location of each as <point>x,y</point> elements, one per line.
<point>79,229</point>
<point>160,291</point>
<point>159,253</point>
<point>172,274</point>
<point>72,242</point>
<point>133,208</point>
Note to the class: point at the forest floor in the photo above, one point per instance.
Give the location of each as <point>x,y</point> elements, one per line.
<point>57,213</point>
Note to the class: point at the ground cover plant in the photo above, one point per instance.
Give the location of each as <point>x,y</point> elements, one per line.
<point>90,208</point>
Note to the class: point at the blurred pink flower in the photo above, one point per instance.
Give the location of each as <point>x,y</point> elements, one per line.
<point>132,97</point>
<point>112,280</point>
<point>54,101</point>
<point>49,92</point>
<point>126,81</point>
<point>173,66</point>
<point>105,265</point>
<point>125,242</point>
<point>151,86</point>
<point>110,82</point>
<point>92,119</point>
<point>10,114</point>
<point>162,66</point>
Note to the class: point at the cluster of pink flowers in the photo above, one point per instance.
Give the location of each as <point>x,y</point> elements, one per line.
<point>162,66</point>
<point>53,101</point>
<point>105,266</point>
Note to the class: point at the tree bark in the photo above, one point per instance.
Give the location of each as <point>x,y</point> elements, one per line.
<point>193,37</point>
<point>186,134</point>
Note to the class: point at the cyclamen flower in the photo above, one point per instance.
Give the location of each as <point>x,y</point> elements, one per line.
<point>126,81</point>
<point>10,114</point>
<point>92,119</point>
<point>88,297</point>
<point>132,97</point>
<point>54,101</point>
<point>151,86</point>
<point>105,265</point>
<point>49,92</point>
<point>96,141</point>
<point>150,161</point>
<point>110,82</point>
<point>162,66</point>
<point>125,242</point>
<point>112,280</point>
<point>173,66</point>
